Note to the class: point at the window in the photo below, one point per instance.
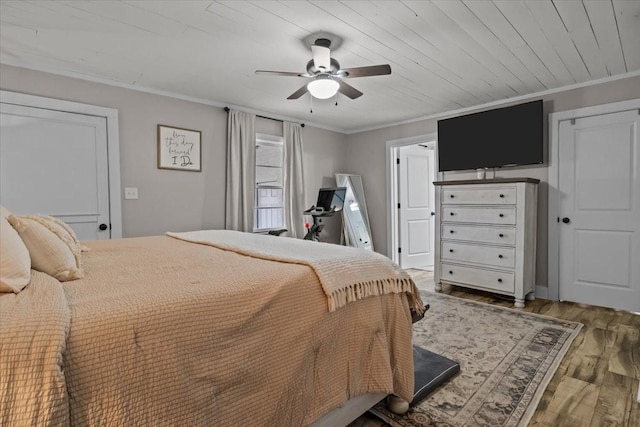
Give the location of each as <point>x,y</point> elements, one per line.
<point>269,191</point>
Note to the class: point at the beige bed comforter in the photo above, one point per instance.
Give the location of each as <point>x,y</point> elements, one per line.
<point>166,332</point>
<point>33,330</point>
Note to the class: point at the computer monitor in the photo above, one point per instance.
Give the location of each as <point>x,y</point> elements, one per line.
<point>329,198</point>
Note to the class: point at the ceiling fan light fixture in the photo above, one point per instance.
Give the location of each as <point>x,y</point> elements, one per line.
<point>323,88</point>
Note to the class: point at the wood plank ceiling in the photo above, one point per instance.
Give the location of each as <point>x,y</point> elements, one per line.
<point>445,55</point>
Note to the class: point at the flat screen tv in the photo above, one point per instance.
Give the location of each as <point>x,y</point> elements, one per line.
<point>501,137</point>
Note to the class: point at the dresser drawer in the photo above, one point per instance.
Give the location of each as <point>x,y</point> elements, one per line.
<point>490,255</point>
<point>494,215</point>
<point>502,281</point>
<point>479,196</point>
<point>471,233</point>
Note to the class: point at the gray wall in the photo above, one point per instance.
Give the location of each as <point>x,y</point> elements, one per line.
<point>366,157</point>
<point>180,201</point>
<point>174,200</point>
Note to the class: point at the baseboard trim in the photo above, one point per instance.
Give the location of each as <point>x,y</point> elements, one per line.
<point>542,292</point>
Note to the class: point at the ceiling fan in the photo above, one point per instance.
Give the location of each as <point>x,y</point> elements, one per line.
<point>327,75</point>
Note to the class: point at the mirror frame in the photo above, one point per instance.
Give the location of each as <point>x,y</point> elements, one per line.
<point>362,204</point>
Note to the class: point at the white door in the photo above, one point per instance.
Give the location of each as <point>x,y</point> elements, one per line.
<point>416,210</point>
<point>599,186</point>
<point>55,163</point>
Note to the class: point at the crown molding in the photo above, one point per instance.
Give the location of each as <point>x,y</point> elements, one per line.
<point>95,79</point>
<point>502,101</point>
<point>154,91</point>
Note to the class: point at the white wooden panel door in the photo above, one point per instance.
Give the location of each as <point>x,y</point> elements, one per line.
<point>55,163</point>
<point>417,202</point>
<point>599,186</point>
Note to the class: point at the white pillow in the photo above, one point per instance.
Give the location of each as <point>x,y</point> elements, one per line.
<point>49,253</point>
<point>62,230</point>
<point>15,263</point>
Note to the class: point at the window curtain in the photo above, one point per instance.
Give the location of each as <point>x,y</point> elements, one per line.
<point>241,161</point>
<point>294,194</point>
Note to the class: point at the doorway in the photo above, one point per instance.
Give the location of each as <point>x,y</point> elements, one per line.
<point>61,158</point>
<point>594,206</point>
<point>410,179</point>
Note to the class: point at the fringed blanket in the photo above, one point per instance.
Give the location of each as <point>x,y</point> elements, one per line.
<point>346,274</point>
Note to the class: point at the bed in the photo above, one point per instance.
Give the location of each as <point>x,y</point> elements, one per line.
<point>208,328</point>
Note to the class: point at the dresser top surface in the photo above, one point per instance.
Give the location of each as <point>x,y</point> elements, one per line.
<point>487,181</point>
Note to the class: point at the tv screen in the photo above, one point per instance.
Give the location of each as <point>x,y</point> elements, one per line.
<point>329,198</point>
<point>501,137</point>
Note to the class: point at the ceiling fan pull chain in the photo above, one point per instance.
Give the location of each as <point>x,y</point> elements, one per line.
<point>310,104</point>
<point>336,99</point>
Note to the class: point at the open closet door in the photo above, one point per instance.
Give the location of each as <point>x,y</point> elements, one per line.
<point>56,163</point>
<point>416,206</point>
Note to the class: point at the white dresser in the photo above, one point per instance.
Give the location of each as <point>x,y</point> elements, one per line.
<point>486,235</point>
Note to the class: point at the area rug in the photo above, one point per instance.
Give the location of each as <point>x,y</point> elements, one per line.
<point>507,358</point>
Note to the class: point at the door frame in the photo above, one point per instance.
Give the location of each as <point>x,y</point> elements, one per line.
<point>113,142</point>
<point>553,239</point>
<point>393,234</point>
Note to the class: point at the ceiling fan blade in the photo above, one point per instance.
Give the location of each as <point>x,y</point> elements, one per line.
<point>297,94</point>
<point>373,70</point>
<point>321,57</point>
<point>282,73</point>
<point>348,90</point>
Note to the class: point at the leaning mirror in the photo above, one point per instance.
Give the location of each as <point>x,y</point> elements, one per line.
<point>356,228</point>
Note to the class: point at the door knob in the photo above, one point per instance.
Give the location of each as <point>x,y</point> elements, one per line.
<point>566,220</point>
<point>102,227</point>
<point>433,213</point>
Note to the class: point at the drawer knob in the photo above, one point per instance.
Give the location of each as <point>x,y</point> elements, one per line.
<point>501,235</point>
<point>502,196</point>
<point>452,214</point>
<point>501,215</point>
<point>499,280</point>
<point>451,231</point>
<point>452,196</point>
<point>500,256</point>
<point>450,272</point>
<point>451,250</point>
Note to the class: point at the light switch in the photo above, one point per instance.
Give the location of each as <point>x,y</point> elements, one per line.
<point>131,193</point>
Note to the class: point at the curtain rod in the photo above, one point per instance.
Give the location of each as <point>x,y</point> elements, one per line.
<point>263,117</point>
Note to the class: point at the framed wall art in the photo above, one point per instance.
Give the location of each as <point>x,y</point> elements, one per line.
<point>179,149</point>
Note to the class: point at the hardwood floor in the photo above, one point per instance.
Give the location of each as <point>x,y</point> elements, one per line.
<point>598,380</point>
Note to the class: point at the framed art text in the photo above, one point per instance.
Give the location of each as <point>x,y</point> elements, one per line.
<point>178,148</point>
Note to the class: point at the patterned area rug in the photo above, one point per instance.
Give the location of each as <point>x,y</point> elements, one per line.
<point>507,358</point>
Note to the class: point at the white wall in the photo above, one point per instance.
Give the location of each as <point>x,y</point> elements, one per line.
<point>366,156</point>
<point>179,201</point>
<point>173,200</point>
<point>323,158</point>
